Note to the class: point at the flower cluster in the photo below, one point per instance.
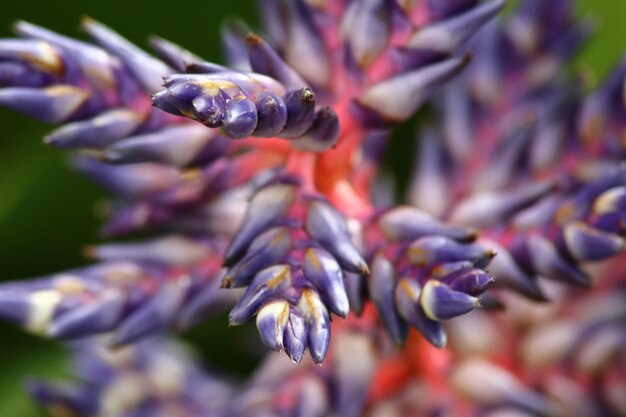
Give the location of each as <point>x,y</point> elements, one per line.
<point>259,184</point>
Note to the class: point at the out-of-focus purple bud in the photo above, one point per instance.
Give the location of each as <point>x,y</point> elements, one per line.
<point>154,315</point>
<point>295,338</point>
<point>176,145</point>
<point>177,57</point>
<point>95,63</point>
<point>546,260</point>
<point>437,249</point>
<point>449,35</point>
<point>267,284</point>
<point>267,206</point>
<point>325,273</point>
<point>381,286</point>
<point>268,248</point>
<point>54,104</point>
<point>327,226</point>
<point>510,274</point>
<point>240,118</point>
<point>14,74</point>
<point>70,398</point>
<point>318,323</point>
<point>323,133</point>
<point>300,112</point>
<point>366,27</point>
<point>16,307</point>
<point>488,384</point>
<point>487,209</point>
<point>397,98</point>
<point>356,290</point>
<point>354,363</point>
<point>168,250</point>
<point>265,60</point>
<point>472,281</point>
<point>429,185</point>
<point>148,71</point>
<point>98,132</point>
<point>440,302</point>
<point>406,296</point>
<point>95,317</point>
<point>408,223</point>
<point>37,54</point>
<point>443,9</point>
<point>313,398</point>
<point>538,215</point>
<point>585,243</point>
<point>304,49</point>
<point>271,321</point>
<point>210,298</point>
<point>234,45</point>
<point>612,200</point>
<point>271,113</point>
<point>131,180</point>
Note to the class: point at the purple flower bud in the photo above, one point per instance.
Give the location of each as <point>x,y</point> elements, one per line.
<point>381,287</point>
<point>95,64</point>
<point>175,56</point>
<point>303,47</point>
<point>167,250</point>
<point>429,183</point>
<point>397,98</point>
<point>405,223</point>
<point>366,28</point>
<point>271,321</point>
<point>300,112</point>
<point>272,115</point>
<point>53,104</point>
<point>98,132</point>
<point>318,323</point>
<point>154,315</point>
<point>325,273</point>
<point>327,226</point>
<point>13,74</point>
<point>265,60</point>
<point>267,249</point>
<point>295,338</point>
<point>37,54</point>
<point>267,206</point>
<point>234,46</point>
<point>447,36</point>
<point>440,302</point>
<point>356,290</point>
<point>177,146</point>
<point>98,316</point>
<point>203,302</point>
<point>132,180</point>
<point>148,71</point>
<point>585,243</point>
<point>240,118</point>
<point>546,260</point>
<point>510,274</point>
<point>437,249</point>
<point>406,296</point>
<point>266,285</point>
<point>470,281</point>
<point>323,133</point>
<point>490,208</point>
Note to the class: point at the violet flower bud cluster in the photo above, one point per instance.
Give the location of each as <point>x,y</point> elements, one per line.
<point>517,209</point>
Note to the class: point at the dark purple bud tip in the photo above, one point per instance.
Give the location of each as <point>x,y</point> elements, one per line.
<point>240,118</point>
<point>300,112</point>
<point>323,133</point>
<point>272,115</point>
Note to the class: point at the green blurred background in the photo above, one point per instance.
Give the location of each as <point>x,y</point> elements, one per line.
<point>47,212</point>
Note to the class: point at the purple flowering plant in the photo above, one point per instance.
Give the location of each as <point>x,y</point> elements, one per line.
<point>495,288</point>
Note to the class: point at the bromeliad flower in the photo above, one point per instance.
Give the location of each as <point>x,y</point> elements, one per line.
<point>260,183</point>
